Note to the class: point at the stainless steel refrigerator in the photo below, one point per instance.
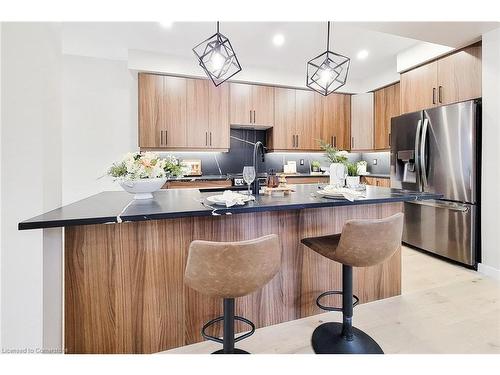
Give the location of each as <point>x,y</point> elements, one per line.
<point>438,150</point>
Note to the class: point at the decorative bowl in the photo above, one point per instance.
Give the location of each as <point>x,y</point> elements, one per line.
<point>144,188</point>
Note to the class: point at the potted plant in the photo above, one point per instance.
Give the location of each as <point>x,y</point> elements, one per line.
<point>315,166</point>
<point>352,179</point>
<point>337,159</point>
<point>361,167</point>
<point>142,174</point>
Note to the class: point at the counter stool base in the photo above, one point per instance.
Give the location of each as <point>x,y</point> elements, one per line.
<point>328,339</point>
<point>236,351</point>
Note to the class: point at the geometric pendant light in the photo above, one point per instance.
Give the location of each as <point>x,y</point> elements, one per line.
<point>327,72</point>
<point>217,58</point>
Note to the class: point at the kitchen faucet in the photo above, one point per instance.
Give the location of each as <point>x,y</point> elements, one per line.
<point>257,146</point>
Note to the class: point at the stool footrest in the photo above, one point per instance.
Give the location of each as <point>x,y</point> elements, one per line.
<point>333,292</point>
<point>221,318</point>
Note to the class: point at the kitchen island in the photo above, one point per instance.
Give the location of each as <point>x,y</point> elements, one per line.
<point>124,290</point>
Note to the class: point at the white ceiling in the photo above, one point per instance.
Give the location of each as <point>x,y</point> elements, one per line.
<point>252,42</point>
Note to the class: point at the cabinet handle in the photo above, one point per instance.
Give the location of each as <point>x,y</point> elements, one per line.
<point>254,116</point>
<point>166,137</point>
<point>297,140</point>
<point>250,116</point>
<point>334,141</point>
<point>389,139</point>
<point>293,141</point>
<point>206,138</point>
<point>440,96</point>
<point>210,138</point>
<point>161,137</point>
<point>433,95</point>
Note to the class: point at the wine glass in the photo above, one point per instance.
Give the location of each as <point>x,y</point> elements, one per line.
<point>248,176</point>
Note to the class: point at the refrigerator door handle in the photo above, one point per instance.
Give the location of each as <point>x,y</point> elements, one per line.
<point>417,146</point>
<point>423,166</point>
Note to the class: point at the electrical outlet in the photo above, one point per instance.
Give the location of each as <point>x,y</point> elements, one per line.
<point>374,161</point>
<point>301,161</point>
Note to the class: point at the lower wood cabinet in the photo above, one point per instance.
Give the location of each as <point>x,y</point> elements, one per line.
<point>308,180</point>
<point>376,181</point>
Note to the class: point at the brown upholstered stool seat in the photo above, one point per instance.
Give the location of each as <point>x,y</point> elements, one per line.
<point>229,270</point>
<point>362,243</point>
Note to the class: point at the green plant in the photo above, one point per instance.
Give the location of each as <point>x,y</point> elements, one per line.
<point>352,169</point>
<point>315,164</point>
<point>333,154</point>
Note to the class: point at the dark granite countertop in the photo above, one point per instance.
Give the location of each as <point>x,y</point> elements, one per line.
<point>117,206</point>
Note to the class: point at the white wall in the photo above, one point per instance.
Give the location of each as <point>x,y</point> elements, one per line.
<point>99,122</point>
<point>31,170</point>
<point>491,157</point>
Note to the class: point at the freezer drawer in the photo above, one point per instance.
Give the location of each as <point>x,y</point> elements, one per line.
<point>443,228</point>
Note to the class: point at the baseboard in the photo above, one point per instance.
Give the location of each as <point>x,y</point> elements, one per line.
<point>488,271</point>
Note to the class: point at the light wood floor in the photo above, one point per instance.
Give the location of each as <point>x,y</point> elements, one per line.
<point>443,309</point>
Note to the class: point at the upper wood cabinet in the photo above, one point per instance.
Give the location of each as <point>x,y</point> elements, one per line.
<point>251,104</point>
<point>387,105</point>
<point>282,135</point>
<point>459,76</point>
<point>450,79</point>
<point>362,121</point>
<point>207,122</point>
<point>181,113</point>
<point>308,121</point>
<point>150,98</point>
<point>336,127</point>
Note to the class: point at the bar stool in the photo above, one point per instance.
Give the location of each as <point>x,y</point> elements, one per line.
<point>229,270</point>
<point>362,243</point>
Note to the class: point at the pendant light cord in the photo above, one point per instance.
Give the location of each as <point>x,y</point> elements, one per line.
<point>217,27</point>
<point>328,37</point>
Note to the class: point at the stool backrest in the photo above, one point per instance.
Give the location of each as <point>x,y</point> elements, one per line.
<point>368,242</point>
<point>232,269</point>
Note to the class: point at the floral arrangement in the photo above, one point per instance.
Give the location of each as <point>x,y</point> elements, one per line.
<point>144,165</point>
<point>333,154</point>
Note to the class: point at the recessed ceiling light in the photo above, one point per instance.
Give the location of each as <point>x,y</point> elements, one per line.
<point>363,54</point>
<point>278,39</point>
<point>166,24</point>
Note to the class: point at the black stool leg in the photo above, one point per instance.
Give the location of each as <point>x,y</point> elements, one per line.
<point>343,338</point>
<point>228,335</point>
<point>228,338</point>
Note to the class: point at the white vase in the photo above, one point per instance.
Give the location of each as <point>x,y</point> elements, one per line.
<point>352,181</point>
<point>337,174</point>
<point>144,188</point>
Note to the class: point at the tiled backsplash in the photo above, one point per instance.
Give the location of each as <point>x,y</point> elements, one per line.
<point>240,154</point>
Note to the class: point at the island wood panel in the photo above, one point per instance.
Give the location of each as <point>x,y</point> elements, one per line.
<point>124,290</point>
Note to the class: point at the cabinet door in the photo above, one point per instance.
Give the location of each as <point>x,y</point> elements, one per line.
<point>197,121</point>
<point>263,105</point>
<point>419,88</point>
<point>150,97</point>
<point>459,76</point>
<point>386,106</point>
<point>306,124</point>
<point>362,121</point>
<point>240,104</point>
<point>337,121</point>
<point>173,117</point>
<point>283,131</point>
<point>218,116</point>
